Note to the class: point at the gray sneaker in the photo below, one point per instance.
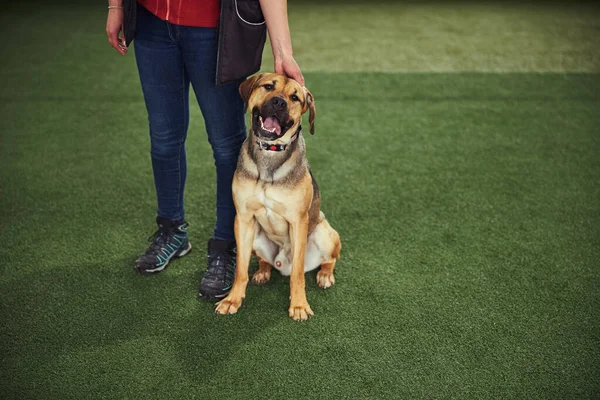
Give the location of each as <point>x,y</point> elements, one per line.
<point>218,277</point>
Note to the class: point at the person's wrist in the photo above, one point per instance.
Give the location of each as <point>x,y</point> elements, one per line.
<point>282,53</point>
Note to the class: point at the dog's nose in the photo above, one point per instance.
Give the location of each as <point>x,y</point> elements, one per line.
<point>278,103</point>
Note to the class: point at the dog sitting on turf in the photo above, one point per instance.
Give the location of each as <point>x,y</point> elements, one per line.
<point>276,196</point>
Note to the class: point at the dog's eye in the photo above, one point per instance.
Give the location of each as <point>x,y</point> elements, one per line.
<point>269,87</point>
<point>294,98</point>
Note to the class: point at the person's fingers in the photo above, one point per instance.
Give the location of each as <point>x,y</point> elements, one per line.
<point>290,68</point>
<point>300,78</point>
<point>113,39</point>
<point>122,45</point>
<point>295,73</point>
<point>115,42</point>
<point>123,42</point>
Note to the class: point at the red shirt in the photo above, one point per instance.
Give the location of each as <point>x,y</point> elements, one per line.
<point>203,13</point>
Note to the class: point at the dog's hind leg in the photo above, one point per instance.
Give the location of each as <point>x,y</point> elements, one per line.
<point>325,278</point>
<point>323,250</point>
<point>263,274</point>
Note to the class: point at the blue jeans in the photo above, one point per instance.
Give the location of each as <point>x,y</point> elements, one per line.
<point>170,57</point>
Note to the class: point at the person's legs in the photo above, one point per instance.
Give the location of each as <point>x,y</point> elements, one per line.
<point>223,112</point>
<point>166,91</point>
<point>165,85</point>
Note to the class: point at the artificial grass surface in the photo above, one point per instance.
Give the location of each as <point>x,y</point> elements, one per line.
<point>419,35</point>
<point>468,210</point>
<point>468,206</point>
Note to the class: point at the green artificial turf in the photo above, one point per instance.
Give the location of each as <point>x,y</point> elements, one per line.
<point>420,35</point>
<point>468,205</point>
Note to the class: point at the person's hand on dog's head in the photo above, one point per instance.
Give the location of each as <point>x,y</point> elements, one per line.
<point>288,66</point>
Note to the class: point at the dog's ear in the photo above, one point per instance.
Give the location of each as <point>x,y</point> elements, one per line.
<point>312,111</point>
<point>247,87</point>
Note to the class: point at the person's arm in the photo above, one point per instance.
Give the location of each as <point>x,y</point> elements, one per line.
<point>114,25</point>
<point>275,13</point>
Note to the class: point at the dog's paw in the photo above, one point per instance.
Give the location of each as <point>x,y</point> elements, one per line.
<point>300,313</point>
<point>261,277</point>
<point>325,279</point>
<point>228,306</point>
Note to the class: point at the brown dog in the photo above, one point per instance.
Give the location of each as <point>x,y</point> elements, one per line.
<point>276,197</point>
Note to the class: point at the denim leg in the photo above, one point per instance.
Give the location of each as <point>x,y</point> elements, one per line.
<point>223,112</point>
<point>165,85</point>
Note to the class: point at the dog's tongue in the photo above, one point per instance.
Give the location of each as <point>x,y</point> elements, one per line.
<point>271,123</point>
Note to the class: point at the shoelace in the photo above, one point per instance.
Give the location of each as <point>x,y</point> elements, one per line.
<point>219,263</point>
<point>158,240</point>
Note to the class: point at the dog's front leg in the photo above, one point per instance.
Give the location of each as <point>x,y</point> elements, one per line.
<point>244,237</point>
<point>299,309</point>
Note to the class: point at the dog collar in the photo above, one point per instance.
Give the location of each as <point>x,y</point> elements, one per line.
<point>278,147</point>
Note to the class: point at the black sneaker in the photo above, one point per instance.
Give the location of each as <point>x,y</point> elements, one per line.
<point>168,242</point>
<point>218,277</point>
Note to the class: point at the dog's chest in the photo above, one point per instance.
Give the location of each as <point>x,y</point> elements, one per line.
<point>268,211</point>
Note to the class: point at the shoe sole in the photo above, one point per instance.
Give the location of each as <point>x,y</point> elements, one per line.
<point>212,297</point>
<point>182,253</point>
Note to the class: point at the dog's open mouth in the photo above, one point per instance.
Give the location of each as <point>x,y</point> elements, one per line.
<point>269,127</point>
